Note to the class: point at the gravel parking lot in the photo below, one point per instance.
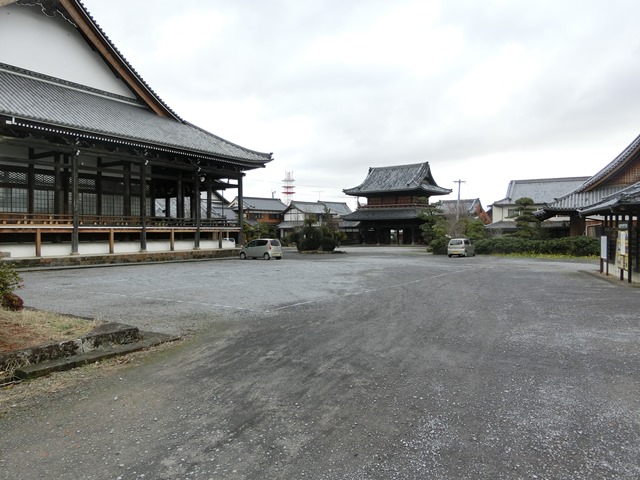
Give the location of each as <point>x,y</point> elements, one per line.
<point>379,363</point>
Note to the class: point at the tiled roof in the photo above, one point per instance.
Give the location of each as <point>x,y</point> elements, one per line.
<point>261,204</point>
<point>399,178</point>
<point>318,208</point>
<point>541,190</point>
<point>338,208</point>
<point>29,97</point>
<point>375,214</point>
<point>502,225</point>
<point>623,198</point>
<point>467,206</point>
<point>579,199</point>
<point>618,162</point>
<point>591,192</point>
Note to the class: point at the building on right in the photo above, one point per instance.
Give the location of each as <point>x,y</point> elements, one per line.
<point>607,205</point>
<point>541,191</point>
<point>622,172</point>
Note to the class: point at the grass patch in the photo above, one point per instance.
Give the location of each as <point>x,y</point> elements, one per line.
<point>28,328</point>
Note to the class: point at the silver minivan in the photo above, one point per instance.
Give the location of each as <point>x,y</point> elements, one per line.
<point>266,248</point>
<point>461,247</point>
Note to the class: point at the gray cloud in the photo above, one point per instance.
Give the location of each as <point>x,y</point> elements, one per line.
<point>488,91</point>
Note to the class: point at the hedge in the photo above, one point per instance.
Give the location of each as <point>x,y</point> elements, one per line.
<point>574,246</point>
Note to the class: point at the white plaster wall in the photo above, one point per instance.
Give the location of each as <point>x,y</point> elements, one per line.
<point>499,213</point>
<point>64,249</point>
<point>52,46</point>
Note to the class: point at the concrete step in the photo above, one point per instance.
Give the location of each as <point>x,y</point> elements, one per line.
<point>67,363</point>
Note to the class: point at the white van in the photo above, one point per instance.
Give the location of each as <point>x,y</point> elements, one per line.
<point>461,247</point>
<point>262,247</point>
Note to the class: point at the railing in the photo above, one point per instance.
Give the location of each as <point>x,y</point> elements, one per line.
<point>109,220</point>
<point>34,218</point>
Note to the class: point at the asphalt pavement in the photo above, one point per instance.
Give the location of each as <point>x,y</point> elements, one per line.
<point>379,363</point>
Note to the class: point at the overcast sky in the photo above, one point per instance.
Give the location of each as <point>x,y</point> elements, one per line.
<point>485,91</point>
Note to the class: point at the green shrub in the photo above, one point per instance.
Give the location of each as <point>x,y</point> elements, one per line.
<point>9,279</point>
<point>439,245</point>
<point>291,239</point>
<point>11,301</point>
<point>328,244</point>
<point>309,239</point>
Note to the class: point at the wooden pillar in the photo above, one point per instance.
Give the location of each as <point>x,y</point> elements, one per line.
<point>152,194</point>
<point>75,234</point>
<point>631,249</point>
<point>58,188</point>
<point>143,205</point>
<point>31,182</point>
<point>240,211</point>
<point>126,201</point>
<point>172,240</point>
<point>112,241</point>
<point>38,243</point>
<point>196,204</point>
<point>209,199</point>
<point>180,198</point>
<point>99,188</point>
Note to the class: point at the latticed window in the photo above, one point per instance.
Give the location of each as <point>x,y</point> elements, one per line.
<point>135,205</point>
<point>87,183</point>
<point>45,180</point>
<point>87,203</point>
<point>8,177</point>
<point>43,201</point>
<point>13,200</point>
<point>112,204</point>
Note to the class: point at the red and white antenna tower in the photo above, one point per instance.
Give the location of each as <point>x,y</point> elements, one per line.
<point>287,188</point>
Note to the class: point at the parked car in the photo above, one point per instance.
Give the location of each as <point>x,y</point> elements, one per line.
<point>461,247</point>
<point>228,239</point>
<point>266,248</point>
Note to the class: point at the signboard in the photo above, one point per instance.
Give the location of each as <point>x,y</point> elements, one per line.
<point>622,246</point>
<point>603,247</point>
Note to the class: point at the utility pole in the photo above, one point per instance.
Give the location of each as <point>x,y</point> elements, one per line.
<point>458,203</point>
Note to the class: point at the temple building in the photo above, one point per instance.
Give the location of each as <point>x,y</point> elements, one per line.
<point>91,159</point>
<point>395,196</point>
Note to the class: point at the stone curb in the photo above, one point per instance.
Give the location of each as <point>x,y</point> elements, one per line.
<point>106,341</point>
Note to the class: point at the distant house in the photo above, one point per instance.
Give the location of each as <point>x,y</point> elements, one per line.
<point>297,212</point>
<point>471,207</point>
<point>395,197</point>
<point>541,191</point>
<point>215,207</point>
<point>264,210</point>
